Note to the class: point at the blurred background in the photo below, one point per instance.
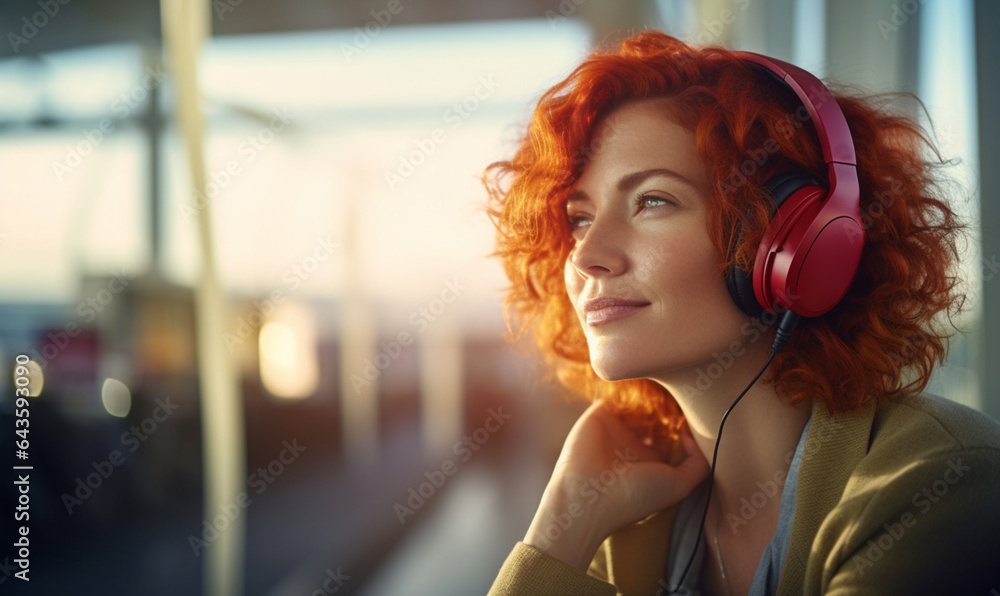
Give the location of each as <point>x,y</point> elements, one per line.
<point>249,264</point>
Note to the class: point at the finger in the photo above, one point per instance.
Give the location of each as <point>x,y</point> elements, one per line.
<point>695,467</point>
<point>691,448</point>
<point>671,484</point>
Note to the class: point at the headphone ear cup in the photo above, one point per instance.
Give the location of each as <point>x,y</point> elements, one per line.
<point>739,281</point>
<point>740,284</point>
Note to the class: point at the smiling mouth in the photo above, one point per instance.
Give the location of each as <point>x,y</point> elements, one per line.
<point>609,314</point>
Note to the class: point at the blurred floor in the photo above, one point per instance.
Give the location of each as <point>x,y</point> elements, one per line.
<point>459,550</point>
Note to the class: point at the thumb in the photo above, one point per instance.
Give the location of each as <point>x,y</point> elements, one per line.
<point>672,483</point>
<point>695,467</point>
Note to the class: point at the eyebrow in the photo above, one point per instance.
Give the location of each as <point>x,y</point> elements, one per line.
<point>630,181</point>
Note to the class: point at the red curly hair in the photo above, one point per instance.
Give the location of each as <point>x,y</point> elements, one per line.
<point>881,339</point>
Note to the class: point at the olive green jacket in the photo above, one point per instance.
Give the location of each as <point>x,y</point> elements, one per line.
<point>900,498</point>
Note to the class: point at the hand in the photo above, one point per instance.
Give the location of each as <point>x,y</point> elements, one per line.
<point>606,478</point>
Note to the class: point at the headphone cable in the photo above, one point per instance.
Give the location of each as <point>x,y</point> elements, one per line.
<point>788,322</point>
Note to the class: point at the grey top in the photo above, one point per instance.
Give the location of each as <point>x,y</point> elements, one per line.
<point>685,531</point>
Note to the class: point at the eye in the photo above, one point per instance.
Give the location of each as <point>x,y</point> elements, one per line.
<point>650,201</point>
<point>577,221</point>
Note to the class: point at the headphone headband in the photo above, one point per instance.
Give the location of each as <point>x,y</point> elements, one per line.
<point>831,126</point>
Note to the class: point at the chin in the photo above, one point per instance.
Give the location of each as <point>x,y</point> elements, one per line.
<point>640,364</point>
<point>615,371</point>
<point>616,360</point>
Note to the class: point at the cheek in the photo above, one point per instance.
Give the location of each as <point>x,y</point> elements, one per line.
<point>685,273</point>
<point>573,281</point>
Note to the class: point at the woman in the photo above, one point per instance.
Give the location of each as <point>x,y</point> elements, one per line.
<point>659,226</point>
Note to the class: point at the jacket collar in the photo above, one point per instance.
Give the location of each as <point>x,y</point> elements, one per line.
<point>835,445</point>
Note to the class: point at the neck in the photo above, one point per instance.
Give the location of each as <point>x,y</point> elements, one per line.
<point>759,436</point>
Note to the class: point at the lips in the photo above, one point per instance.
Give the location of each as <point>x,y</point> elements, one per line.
<point>607,309</point>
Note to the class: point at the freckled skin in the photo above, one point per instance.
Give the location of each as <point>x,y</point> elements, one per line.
<point>655,251</point>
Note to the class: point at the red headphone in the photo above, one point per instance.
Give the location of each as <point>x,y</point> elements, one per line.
<point>810,252</point>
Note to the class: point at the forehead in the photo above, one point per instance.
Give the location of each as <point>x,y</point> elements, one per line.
<point>641,135</point>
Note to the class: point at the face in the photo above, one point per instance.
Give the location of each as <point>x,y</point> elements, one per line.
<point>643,275</point>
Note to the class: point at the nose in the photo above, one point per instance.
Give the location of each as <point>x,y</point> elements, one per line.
<point>600,251</point>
